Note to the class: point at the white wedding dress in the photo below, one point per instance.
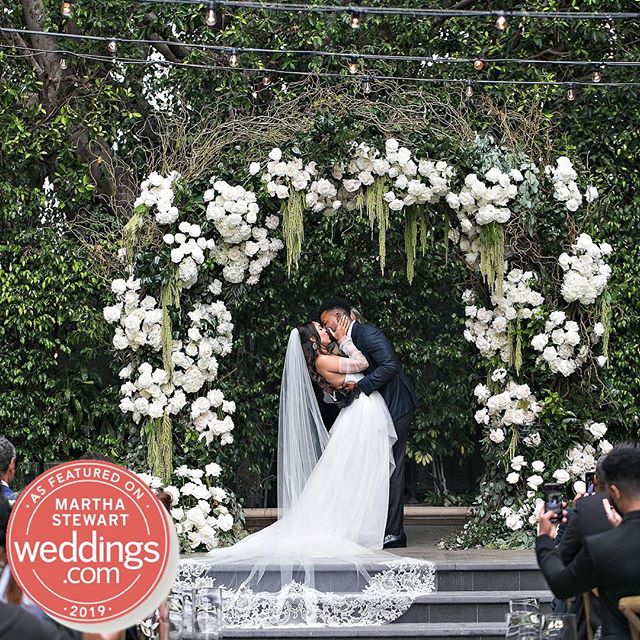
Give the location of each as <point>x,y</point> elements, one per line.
<point>329,534</point>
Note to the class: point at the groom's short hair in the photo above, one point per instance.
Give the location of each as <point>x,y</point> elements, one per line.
<point>335,303</point>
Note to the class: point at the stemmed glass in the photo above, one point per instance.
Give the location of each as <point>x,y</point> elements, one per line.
<point>207,613</point>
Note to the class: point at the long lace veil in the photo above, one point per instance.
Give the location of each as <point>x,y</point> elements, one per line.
<point>302,436</point>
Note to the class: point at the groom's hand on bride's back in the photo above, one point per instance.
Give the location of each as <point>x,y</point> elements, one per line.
<point>350,386</point>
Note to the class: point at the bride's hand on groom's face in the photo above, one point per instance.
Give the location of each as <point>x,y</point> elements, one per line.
<point>341,328</point>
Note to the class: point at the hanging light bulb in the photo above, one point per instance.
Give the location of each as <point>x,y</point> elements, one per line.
<point>233,58</point>
<point>266,80</point>
<point>469,90</point>
<point>211,15</point>
<point>478,64</point>
<point>501,22</point>
<point>356,19</point>
<point>63,62</point>
<point>353,65</point>
<point>367,86</point>
<point>571,93</point>
<point>596,76</point>
<point>112,46</point>
<point>67,9</point>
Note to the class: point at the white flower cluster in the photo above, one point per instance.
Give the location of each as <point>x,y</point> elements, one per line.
<point>197,508</point>
<point>485,202</point>
<point>245,246</point>
<point>322,196</point>
<point>149,393</point>
<point>208,415</point>
<point>188,247</point>
<point>157,191</point>
<point>558,344</point>
<point>565,188</point>
<point>210,335</point>
<point>488,329</point>
<point>139,321</point>
<point>514,518</point>
<point>585,272</point>
<point>282,176</point>
<point>516,405</point>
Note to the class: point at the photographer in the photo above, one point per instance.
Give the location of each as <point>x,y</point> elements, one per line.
<point>608,561</point>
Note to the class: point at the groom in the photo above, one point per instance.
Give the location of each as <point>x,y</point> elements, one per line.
<point>384,375</point>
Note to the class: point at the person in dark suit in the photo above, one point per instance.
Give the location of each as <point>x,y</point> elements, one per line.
<point>386,376</point>
<point>608,561</point>
<point>7,469</point>
<point>588,518</point>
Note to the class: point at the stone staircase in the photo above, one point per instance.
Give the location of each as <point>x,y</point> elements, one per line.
<point>471,601</point>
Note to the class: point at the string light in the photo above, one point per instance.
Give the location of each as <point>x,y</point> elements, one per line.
<point>469,90</point>
<point>233,58</point>
<point>211,19</point>
<point>571,93</point>
<point>112,46</point>
<point>501,22</point>
<point>67,9</point>
<point>367,86</point>
<point>596,76</point>
<point>63,62</point>
<point>356,19</point>
<point>353,65</point>
<point>478,64</point>
<point>266,80</point>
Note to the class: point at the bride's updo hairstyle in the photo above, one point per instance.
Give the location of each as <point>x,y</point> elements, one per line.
<point>310,340</point>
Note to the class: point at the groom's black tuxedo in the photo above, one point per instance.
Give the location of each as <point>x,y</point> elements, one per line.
<point>385,375</point>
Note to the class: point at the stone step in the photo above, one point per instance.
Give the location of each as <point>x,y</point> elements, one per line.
<point>460,576</point>
<point>421,515</point>
<point>468,606</point>
<point>399,631</point>
<point>490,576</point>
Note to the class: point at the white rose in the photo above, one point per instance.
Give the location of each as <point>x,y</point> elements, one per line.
<point>513,477</point>
<point>579,486</point>
<point>605,446</point>
<point>254,167</point>
<point>561,476</point>
<point>496,435</point>
<point>514,522</point>
<point>597,429</point>
<point>534,482</point>
<point>275,154</point>
<point>537,466</point>
<point>213,469</point>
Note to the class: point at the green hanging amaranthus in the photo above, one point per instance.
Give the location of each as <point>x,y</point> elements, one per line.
<point>130,232</point>
<point>515,344</point>
<point>411,241</point>
<point>492,256</point>
<point>293,227</point>
<point>605,318</point>
<point>378,212</point>
<point>158,431</point>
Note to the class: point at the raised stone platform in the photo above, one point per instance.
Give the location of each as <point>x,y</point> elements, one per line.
<point>474,588</point>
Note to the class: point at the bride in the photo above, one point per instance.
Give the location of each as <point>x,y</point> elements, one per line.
<point>333,492</point>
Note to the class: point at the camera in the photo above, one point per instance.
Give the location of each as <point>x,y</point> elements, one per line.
<point>553,500</point>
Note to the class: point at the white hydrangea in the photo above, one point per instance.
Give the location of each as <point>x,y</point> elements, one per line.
<point>586,273</point>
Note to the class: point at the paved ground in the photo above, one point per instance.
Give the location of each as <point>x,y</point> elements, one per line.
<point>423,540</point>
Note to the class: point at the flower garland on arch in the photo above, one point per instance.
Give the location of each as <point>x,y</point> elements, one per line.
<point>173,350</point>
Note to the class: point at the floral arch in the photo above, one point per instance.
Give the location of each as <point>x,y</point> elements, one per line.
<point>532,319</point>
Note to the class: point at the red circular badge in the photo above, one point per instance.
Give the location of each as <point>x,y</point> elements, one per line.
<point>92,545</point>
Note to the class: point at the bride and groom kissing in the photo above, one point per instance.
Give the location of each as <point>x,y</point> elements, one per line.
<point>340,495</point>
<point>368,370</point>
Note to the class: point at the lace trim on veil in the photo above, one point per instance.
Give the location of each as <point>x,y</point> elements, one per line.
<point>388,594</point>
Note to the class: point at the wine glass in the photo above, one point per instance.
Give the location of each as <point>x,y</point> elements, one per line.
<point>207,613</point>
